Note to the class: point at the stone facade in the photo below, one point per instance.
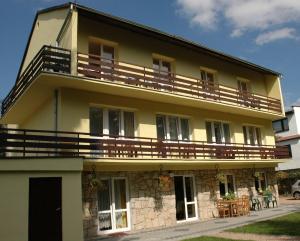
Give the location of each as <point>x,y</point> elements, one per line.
<point>150,207</point>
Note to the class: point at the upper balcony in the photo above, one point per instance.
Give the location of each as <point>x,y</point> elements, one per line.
<point>142,82</point>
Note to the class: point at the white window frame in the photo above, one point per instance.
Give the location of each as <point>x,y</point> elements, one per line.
<point>112,210</point>
<point>187,203</point>
<point>106,119</point>
<point>246,81</point>
<point>255,137</point>
<point>208,71</point>
<point>179,130</point>
<point>212,128</point>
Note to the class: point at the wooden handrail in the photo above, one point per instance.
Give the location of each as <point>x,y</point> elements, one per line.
<point>145,77</point>
<point>30,143</point>
<point>48,58</point>
<point>54,59</point>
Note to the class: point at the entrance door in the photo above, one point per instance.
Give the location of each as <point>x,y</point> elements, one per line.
<point>186,201</point>
<point>113,205</point>
<point>45,221</point>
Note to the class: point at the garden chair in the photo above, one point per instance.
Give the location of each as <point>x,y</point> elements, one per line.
<point>223,209</point>
<point>255,203</point>
<point>274,201</point>
<point>245,205</point>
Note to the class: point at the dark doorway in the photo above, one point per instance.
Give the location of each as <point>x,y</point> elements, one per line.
<point>179,195</point>
<point>45,222</point>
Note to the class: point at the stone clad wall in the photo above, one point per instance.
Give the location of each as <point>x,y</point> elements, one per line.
<point>150,207</point>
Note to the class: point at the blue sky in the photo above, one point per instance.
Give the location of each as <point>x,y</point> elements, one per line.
<point>264,32</point>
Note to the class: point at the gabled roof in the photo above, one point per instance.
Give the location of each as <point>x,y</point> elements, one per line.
<point>146,30</point>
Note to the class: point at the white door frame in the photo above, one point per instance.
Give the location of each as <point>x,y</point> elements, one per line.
<point>113,211</point>
<point>187,219</point>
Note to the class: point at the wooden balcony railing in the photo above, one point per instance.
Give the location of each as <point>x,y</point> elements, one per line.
<point>143,77</point>
<point>53,59</point>
<point>40,143</point>
<point>50,59</point>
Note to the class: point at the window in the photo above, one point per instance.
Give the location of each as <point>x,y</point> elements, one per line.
<point>161,66</point>
<point>97,49</point>
<point>172,128</point>
<point>162,72</point>
<point>101,56</point>
<point>228,186</point>
<point>218,132</point>
<point>281,125</point>
<point>161,127</point>
<point>96,121</point>
<point>261,182</point>
<point>207,77</point>
<point>244,89</point>
<point>114,124</point>
<point>252,135</point>
<point>111,122</point>
<point>208,80</point>
<point>243,86</point>
<point>128,124</point>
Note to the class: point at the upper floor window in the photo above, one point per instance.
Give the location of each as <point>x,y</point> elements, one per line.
<point>162,66</point>
<point>218,132</point>
<point>281,125</point>
<point>252,135</point>
<point>208,79</point>
<point>243,86</point>
<point>111,122</point>
<point>101,55</point>
<point>99,49</point>
<point>172,127</point>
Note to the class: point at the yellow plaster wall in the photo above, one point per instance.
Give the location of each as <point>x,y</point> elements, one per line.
<point>75,115</point>
<point>45,32</point>
<point>42,118</point>
<point>138,49</point>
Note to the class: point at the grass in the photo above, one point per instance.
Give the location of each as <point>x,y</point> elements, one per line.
<point>285,225</point>
<point>209,238</point>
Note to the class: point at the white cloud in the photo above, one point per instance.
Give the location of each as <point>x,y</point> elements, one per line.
<point>278,34</point>
<point>242,15</point>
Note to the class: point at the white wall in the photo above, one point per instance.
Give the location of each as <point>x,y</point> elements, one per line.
<point>293,163</point>
<point>293,118</point>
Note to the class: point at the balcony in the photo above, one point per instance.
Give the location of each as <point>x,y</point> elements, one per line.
<point>40,143</point>
<point>48,59</point>
<point>102,69</point>
<point>58,60</point>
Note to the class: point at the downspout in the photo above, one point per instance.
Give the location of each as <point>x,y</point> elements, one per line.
<point>56,110</point>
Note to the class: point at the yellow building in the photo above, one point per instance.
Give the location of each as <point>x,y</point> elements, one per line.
<point>119,127</point>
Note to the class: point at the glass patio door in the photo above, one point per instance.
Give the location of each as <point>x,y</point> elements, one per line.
<point>113,206</point>
<point>186,201</point>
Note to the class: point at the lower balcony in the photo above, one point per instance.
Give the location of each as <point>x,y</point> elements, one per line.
<point>39,143</point>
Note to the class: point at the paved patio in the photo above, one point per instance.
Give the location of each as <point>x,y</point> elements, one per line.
<point>195,229</point>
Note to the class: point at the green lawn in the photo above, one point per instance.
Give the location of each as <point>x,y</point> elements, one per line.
<point>208,238</point>
<point>285,225</point>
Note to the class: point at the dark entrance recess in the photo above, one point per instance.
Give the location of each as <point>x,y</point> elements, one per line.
<point>45,219</point>
<point>179,195</point>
